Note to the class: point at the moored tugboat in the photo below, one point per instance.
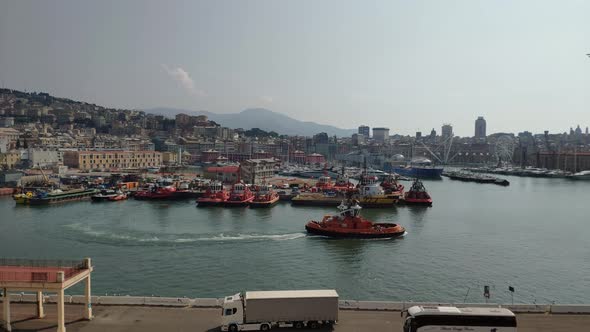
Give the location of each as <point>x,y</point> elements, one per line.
<point>104,195</point>
<point>156,192</point>
<point>240,195</point>
<point>214,195</point>
<point>265,196</point>
<point>350,224</point>
<point>390,185</point>
<point>324,184</point>
<point>119,196</point>
<point>417,195</point>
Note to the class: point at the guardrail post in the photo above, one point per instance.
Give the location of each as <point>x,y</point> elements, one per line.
<point>88,299</point>
<point>40,309</point>
<point>61,326</point>
<point>6,306</point>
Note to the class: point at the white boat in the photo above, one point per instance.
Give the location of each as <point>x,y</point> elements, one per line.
<point>583,175</point>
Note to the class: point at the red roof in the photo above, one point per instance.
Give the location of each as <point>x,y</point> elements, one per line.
<point>35,274</point>
<point>223,169</point>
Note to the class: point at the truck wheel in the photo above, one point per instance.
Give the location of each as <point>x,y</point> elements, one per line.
<point>233,328</point>
<point>298,325</point>
<point>313,325</point>
<point>264,327</point>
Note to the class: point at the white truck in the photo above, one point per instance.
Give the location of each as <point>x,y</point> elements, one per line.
<point>264,310</point>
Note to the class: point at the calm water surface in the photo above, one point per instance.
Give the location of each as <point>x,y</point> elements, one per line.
<point>533,235</point>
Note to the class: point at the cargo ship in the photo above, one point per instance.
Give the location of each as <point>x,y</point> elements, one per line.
<point>419,168</point>
<point>350,224</point>
<point>57,196</point>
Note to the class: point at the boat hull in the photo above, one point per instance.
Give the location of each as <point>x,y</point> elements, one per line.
<point>418,202</point>
<point>350,234</point>
<point>241,203</point>
<point>366,202</point>
<point>264,204</point>
<point>419,172</point>
<point>209,202</point>
<point>101,198</point>
<point>62,198</point>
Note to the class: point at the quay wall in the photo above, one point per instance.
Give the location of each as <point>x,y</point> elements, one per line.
<point>184,302</point>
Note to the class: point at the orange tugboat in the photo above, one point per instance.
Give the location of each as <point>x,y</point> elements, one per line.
<point>214,195</point>
<point>349,224</point>
<point>390,185</point>
<point>418,195</point>
<point>240,195</point>
<point>265,197</point>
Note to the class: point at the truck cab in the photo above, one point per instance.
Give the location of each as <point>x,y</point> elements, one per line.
<point>232,313</point>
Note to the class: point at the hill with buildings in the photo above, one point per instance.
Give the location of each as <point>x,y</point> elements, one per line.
<point>260,118</point>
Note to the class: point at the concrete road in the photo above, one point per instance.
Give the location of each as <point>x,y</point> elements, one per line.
<point>131,318</point>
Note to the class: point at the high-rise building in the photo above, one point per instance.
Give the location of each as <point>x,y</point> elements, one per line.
<point>586,130</point>
<point>446,131</point>
<point>480,127</point>
<point>365,130</point>
<point>381,134</point>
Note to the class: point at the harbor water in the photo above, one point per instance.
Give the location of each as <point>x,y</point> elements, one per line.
<point>533,235</point>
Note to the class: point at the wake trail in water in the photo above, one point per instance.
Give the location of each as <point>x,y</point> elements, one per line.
<point>139,238</point>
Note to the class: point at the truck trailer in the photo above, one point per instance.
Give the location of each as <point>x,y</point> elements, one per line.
<point>264,310</point>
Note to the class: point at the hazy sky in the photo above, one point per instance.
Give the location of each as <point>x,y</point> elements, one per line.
<point>408,65</point>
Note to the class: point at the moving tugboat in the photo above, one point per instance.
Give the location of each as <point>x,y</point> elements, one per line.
<point>240,195</point>
<point>349,224</point>
<point>418,195</point>
<point>265,197</point>
<point>214,195</point>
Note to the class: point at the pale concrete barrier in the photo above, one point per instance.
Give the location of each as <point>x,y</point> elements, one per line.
<point>81,299</point>
<point>348,304</point>
<point>120,300</point>
<point>206,303</point>
<point>379,305</point>
<point>167,301</point>
<point>343,304</point>
<point>570,309</point>
<point>53,299</point>
<point>528,308</point>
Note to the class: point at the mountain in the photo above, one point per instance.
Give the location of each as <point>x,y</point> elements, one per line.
<point>260,118</point>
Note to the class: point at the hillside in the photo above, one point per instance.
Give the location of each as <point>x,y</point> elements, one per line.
<point>261,118</point>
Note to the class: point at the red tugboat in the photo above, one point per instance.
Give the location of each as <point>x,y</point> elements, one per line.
<point>343,183</point>
<point>349,224</point>
<point>391,186</point>
<point>265,197</point>
<point>324,184</point>
<point>156,192</point>
<point>418,195</point>
<point>240,195</point>
<point>213,196</point>
<point>119,196</point>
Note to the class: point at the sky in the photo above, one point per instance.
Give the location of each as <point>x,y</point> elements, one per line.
<point>407,65</point>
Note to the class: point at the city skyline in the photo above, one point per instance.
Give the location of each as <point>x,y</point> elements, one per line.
<point>406,66</point>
